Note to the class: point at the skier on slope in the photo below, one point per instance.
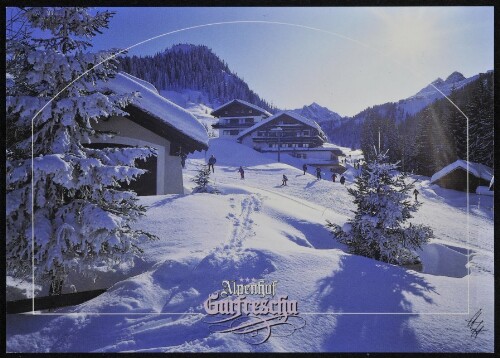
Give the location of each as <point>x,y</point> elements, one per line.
<point>416,192</point>
<point>334,176</point>
<point>304,167</point>
<point>342,180</point>
<point>211,163</point>
<point>318,173</point>
<point>285,179</point>
<point>242,172</point>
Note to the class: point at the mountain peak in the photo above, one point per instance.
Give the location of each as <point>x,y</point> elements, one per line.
<point>455,77</point>
<point>437,81</point>
<point>314,105</point>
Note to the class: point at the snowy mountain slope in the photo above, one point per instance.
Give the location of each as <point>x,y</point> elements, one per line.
<point>318,113</point>
<point>347,130</point>
<point>429,94</point>
<point>193,102</point>
<point>259,229</point>
<point>327,119</point>
<point>404,107</point>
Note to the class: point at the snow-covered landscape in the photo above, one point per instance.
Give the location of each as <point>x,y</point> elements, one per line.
<point>156,203</point>
<point>258,229</point>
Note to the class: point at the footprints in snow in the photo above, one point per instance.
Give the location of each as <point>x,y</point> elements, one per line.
<point>242,221</point>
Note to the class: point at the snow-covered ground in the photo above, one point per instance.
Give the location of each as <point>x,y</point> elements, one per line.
<point>258,229</point>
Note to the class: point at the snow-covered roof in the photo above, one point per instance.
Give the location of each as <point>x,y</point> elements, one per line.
<point>298,117</point>
<point>484,190</point>
<point>476,169</point>
<point>159,107</point>
<point>245,103</point>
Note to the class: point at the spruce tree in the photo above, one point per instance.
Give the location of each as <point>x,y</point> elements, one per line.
<point>379,229</point>
<point>202,180</point>
<point>81,216</point>
<point>480,112</point>
<point>458,125</point>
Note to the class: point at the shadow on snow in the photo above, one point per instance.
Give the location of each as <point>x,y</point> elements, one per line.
<point>369,288</point>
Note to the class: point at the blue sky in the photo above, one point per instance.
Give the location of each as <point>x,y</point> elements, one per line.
<point>362,56</point>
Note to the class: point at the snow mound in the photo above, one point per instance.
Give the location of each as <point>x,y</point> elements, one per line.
<point>484,190</point>
<point>442,260</point>
<point>229,153</point>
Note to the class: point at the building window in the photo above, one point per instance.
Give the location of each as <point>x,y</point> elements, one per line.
<point>249,120</point>
<point>260,134</point>
<point>249,111</point>
<point>301,145</point>
<point>234,132</point>
<point>306,145</point>
<point>226,132</point>
<point>306,133</point>
<point>225,112</point>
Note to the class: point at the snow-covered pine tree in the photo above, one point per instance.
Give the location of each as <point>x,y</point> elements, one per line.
<point>70,194</point>
<point>202,180</point>
<point>379,229</point>
<point>480,112</point>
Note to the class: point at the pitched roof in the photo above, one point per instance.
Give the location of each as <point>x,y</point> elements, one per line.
<point>476,169</point>
<point>298,117</point>
<point>245,103</point>
<point>169,116</point>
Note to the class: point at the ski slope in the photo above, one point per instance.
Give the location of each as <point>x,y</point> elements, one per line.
<point>258,229</point>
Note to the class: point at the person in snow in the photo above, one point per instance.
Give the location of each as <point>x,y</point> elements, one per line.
<point>318,173</point>
<point>285,179</point>
<point>304,167</point>
<point>183,160</point>
<point>416,192</point>
<point>242,172</point>
<point>211,163</point>
<point>334,176</point>
<point>342,180</point>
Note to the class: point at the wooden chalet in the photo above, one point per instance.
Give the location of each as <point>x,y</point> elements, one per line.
<point>236,116</point>
<point>456,175</point>
<point>295,135</point>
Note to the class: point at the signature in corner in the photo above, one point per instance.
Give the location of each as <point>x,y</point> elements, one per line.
<point>475,325</point>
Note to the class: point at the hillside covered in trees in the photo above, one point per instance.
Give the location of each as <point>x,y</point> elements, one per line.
<point>437,135</point>
<point>192,67</point>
